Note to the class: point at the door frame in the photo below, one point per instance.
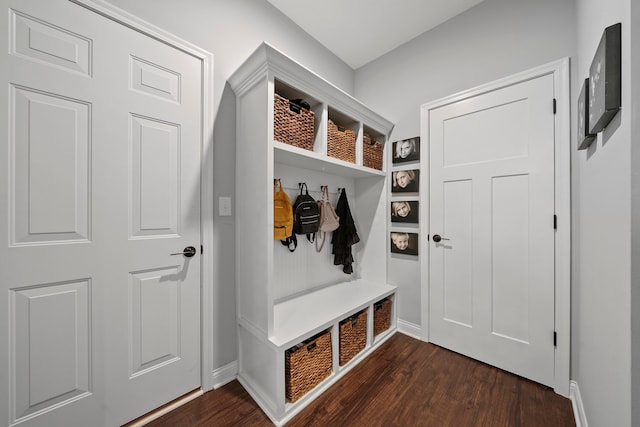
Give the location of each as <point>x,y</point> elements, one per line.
<point>206,168</point>
<point>560,71</point>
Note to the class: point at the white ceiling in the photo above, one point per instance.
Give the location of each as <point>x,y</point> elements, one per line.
<point>359,31</point>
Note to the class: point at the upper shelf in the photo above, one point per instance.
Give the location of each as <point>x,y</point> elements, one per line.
<point>266,62</point>
<point>288,154</point>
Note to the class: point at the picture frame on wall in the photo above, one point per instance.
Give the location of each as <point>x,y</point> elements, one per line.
<point>404,243</point>
<point>405,211</point>
<point>585,138</point>
<point>406,150</point>
<point>405,181</point>
<point>605,76</point>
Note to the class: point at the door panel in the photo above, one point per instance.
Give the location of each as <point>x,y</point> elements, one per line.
<point>45,42</point>
<point>510,257</point>
<point>458,282</point>
<point>155,185</point>
<point>51,357</point>
<point>49,128</point>
<point>492,196</point>
<point>465,144</point>
<point>155,310</point>
<point>103,186</point>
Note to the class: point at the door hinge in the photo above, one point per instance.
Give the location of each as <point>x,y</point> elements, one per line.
<point>427,237</point>
<point>555,222</point>
<point>554,106</point>
<point>555,339</point>
<point>201,249</point>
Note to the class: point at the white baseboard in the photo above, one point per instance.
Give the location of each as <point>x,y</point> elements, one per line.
<point>576,403</point>
<point>410,329</point>
<point>225,374</point>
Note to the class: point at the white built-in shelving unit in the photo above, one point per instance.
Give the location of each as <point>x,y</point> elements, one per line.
<point>284,298</point>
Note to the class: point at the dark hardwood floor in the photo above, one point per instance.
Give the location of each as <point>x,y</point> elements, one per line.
<point>406,382</point>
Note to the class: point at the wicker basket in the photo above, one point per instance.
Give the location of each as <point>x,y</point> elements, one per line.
<point>292,124</point>
<point>372,153</point>
<point>353,336</point>
<point>381,316</point>
<point>341,143</point>
<point>307,364</point>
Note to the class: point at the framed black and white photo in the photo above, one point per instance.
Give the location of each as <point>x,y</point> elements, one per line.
<point>406,150</point>
<point>584,137</point>
<point>405,181</point>
<point>605,75</point>
<point>404,243</point>
<point>405,211</point>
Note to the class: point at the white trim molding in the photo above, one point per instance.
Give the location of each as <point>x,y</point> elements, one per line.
<point>560,71</point>
<point>224,374</point>
<point>409,329</point>
<point>576,403</point>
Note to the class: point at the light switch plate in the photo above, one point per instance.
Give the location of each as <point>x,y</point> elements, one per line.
<point>224,206</point>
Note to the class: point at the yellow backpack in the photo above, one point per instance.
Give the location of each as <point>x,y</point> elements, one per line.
<point>282,212</point>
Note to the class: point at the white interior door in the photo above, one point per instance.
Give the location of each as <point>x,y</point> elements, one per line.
<point>102,186</point>
<point>492,202</point>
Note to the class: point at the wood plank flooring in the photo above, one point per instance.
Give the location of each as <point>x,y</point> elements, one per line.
<point>406,382</point>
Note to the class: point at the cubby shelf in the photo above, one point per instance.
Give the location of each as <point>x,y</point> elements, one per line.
<point>284,298</point>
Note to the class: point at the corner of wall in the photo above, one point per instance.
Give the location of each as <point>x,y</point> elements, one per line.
<point>410,329</point>
<point>224,374</point>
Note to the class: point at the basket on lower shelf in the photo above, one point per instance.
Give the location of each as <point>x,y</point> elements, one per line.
<point>381,316</point>
<point>353,336</point>
<point>292,124</point>
<point>341,143</point>
<point>372,153</point>
<point>307,364</point>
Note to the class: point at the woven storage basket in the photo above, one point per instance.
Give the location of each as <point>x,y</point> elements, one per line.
<point>341,143</point>
<point>353,336</point>
<point>306,365</point>
<point>291,124</point>
<point>381,316</point>
<point>372,153</point>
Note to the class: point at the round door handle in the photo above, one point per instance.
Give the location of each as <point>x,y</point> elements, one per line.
<point>189,251</point>
<point>437,238</point>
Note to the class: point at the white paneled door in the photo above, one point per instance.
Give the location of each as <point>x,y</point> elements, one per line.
<point>100,185</point>
<point>491,269</point>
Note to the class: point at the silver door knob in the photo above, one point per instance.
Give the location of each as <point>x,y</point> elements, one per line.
<point>437,238</point>
<point>189,251</point>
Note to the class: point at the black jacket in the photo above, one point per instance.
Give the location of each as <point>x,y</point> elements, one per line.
<point>344,236</point>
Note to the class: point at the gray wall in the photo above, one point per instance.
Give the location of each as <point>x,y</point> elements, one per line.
<point>232,30</point>
<point>495,39</point>
<point>634,44</point>
<point>601,184</point>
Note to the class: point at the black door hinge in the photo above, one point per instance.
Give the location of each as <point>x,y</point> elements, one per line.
<point>555,222</point>
<point>554,106</point>
<point>555,339</point>
<point>201,249</point>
